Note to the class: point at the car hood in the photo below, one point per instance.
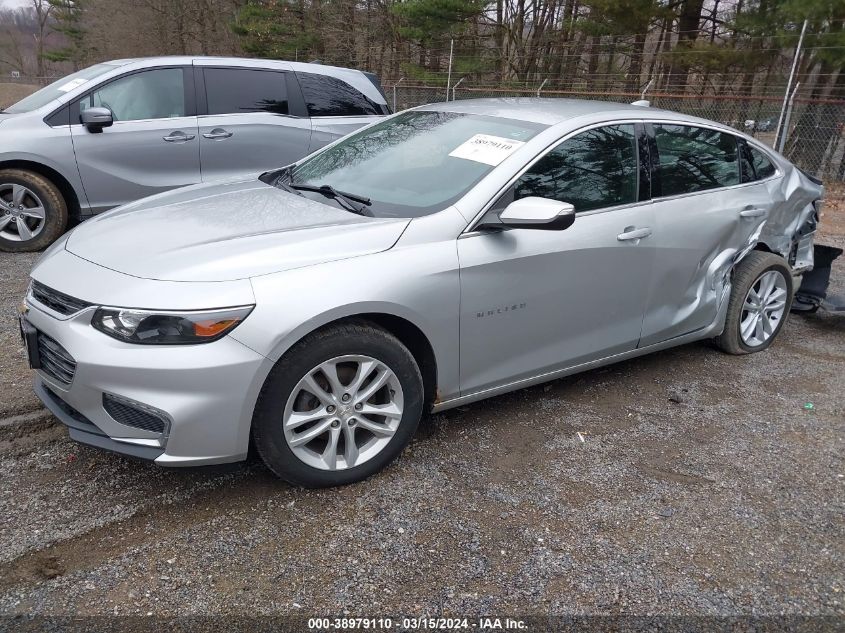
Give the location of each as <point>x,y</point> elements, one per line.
<point>227,231</point>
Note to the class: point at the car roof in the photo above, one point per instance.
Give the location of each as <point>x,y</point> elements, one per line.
<point>551,111</point>
<point>234,61</point>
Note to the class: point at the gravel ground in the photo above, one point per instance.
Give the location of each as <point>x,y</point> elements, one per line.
<point>702,485</point>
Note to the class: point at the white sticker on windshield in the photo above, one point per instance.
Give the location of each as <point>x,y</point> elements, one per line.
<point>487,149</point>
<point>73,83</point>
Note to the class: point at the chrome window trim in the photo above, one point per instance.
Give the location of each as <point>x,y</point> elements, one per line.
<point>472,225</point>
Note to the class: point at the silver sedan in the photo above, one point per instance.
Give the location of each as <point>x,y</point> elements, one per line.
<point>444,255</point>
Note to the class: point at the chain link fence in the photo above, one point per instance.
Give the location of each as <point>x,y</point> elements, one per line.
<point>814,128</point>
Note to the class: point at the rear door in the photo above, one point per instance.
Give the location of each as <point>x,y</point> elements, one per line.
<point>704,215</point>
<point>251,119</point>
<point>152,145</point>
<point>336,107</point>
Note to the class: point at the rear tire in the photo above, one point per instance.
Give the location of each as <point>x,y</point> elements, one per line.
<point>761,296</point>
<point>349,440</point>
<point>33,213</point>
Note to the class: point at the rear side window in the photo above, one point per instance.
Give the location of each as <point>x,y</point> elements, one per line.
<point>755,164</point>
<point>242,90</point>
<point>595,169</point>
<point>330,96</point>
<point>695,159</point>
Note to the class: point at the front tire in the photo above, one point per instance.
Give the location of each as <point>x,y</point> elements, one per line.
<point>33,213</point>
<point>339,406</point>
<point>759,304</point>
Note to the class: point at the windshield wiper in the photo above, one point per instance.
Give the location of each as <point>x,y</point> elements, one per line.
<point>352,202</point>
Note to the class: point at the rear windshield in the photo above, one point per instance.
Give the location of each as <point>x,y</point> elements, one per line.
<point>58,88</point>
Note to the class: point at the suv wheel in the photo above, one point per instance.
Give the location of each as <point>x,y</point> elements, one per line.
<point>33,213</point>
<point>758,305</point>
<point>338,407</point>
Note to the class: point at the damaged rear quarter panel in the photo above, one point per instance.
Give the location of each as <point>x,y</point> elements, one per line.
<point>793,196</point>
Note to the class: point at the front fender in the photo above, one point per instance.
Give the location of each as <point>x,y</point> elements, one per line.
<point>419,284</point>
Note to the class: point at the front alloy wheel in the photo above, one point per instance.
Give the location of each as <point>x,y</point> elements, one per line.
<point>340,405</point>
<point>22,214</point>
<point>33,213</point>
<point>343,412</point>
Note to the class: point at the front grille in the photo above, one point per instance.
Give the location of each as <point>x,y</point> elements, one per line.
<point>56,361</point>
<point>133,415</point>
<point>57,301</point>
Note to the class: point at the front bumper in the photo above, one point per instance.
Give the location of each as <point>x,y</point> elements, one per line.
<point>207,393</point>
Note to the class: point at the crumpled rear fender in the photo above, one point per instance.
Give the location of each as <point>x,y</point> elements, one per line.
<point>791,225</point>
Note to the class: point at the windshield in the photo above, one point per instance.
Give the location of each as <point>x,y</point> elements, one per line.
<point>417,162</point>
<point>58,88</point>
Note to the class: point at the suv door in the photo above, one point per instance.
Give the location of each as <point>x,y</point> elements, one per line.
<point>336,108</point>
<point>152,145</point>
<point>251,119</point>
<point>534,301</point>
<point>704,217</point>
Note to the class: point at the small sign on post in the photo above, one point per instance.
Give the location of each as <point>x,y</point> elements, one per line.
<point>16,74</point>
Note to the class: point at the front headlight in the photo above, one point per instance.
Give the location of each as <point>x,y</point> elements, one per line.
<point>147,327</point>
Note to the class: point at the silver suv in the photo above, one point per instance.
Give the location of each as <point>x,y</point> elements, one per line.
<point>126,129</point>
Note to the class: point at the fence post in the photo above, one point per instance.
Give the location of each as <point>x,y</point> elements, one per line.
<point>455,87</point>
<point>778,142</point>
<point>786,119</point>
<point>401,79</point>
<point>449,74</point>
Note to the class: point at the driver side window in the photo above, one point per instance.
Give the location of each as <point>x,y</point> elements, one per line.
<point>152,94</point>
<point>592,170</point>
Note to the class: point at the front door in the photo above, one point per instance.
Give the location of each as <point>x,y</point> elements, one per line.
<point>534,301</point>
<point>152,145</point>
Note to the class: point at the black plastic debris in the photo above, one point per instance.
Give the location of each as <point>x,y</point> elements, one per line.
<point>813,294</point>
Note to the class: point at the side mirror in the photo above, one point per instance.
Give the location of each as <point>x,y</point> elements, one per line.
<point>95,119</point>
<point>538,213</point>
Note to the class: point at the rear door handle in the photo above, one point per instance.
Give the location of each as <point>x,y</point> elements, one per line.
<point>753,212</point>
<point>217,133</point>
<point>633,234</point>
<point>179,137</point>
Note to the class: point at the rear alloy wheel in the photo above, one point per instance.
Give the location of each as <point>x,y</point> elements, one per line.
<point>32,211</point>
<point>759,304</point>
<point>338,406</point>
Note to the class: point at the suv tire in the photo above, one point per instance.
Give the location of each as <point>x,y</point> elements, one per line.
<point>22,194</point>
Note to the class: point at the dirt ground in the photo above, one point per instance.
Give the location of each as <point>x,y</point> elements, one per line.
<point>704,484</point>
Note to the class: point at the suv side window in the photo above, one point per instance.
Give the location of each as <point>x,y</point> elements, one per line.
<point>592,170</point>
<point>695,159</point>
<point>242,90</point>
<point>151,94</point>
<point>330,96</point>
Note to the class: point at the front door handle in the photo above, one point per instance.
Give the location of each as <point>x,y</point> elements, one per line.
<point>632,233</point>
<point>179,137</point>
<point>752,212</point>
<point>217,133</point>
